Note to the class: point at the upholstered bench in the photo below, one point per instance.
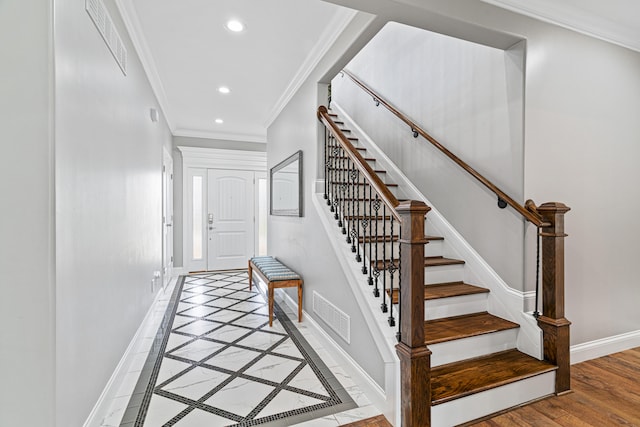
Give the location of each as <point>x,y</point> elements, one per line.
<point>276,275</point>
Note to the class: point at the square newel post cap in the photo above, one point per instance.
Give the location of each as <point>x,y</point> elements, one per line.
<point>553,207</point>
<point>412,206</point>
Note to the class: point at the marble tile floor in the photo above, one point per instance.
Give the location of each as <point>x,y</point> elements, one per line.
<point>215,361</point>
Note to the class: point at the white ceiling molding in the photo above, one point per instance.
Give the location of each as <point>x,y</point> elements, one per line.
<point>222,159</point>
<point>333,29</point>
<point>131,22</point>
<point>596,19</point>
<point>220,135</point>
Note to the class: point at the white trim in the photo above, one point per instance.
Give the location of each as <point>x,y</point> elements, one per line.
<point>369,386</point>
<point>133,26</point>
<point>605,346</point>
<point>101,409</point>
<point>598,27</point>
<point>214,158</point>
<point>333,30</point>
<point>228,136</point>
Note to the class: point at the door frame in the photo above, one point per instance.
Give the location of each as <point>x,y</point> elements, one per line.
<point>212,158</point>
<point>167,223</point>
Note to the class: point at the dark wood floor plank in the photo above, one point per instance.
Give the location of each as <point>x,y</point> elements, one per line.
<point>378,421</point>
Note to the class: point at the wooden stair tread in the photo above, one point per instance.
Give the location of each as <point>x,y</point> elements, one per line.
<point>464,378</point>
<point>444,290</point>
<point>435,261</point>
<point>465,326</point>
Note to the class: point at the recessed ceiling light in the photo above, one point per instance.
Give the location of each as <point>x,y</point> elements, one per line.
<point>234,25</point>
<point>219,121</point>
<point>224,89</point>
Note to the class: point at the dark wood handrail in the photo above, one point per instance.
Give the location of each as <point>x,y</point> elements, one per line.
<point>383,191</point>
<point>529,215</point>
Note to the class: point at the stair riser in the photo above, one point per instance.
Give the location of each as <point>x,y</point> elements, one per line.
<point>467,348</point>
<point>445,273</point>
<point>455,306</point>
<point>491,401</point>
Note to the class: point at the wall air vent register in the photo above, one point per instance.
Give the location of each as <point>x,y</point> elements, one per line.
<point>103,22</point>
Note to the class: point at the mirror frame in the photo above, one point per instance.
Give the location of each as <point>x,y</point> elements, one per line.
<point>275,210</point>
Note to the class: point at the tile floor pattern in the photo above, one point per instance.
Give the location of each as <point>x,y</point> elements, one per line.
<point>216,362</point>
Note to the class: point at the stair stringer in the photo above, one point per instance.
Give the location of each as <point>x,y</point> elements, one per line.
<point>383,335</point>
<point>503,300</point>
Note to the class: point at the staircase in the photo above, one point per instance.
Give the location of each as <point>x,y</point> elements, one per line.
<point>464,363</point>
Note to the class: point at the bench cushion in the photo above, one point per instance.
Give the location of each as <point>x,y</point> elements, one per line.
<point>274,270</point>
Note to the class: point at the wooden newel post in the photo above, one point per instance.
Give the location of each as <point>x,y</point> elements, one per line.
<point>415,357</point>
<point>555,327</point>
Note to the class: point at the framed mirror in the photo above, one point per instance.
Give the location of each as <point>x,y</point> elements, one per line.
<point>286,186</point>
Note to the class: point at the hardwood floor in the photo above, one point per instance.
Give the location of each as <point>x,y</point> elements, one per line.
<point>606,392</point>
<point>379,421</point>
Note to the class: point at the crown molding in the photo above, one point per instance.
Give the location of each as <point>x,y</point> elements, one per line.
<point>195,133</point>
<point>558,13</point>
<point>332,31</point>
<point>134,28</point>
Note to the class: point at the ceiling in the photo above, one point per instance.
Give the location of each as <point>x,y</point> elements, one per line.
<point>188,53</point>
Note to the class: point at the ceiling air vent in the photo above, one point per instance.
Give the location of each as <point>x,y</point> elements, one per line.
<point>337,319</point>
<point>101,18</point>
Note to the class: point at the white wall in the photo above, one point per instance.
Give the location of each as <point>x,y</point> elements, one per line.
<point>27,311</point>
<point>186,141</point>
<point>301,243</point>
<point>470,98</point>
<point>582,101</point>
<point>108,206</point>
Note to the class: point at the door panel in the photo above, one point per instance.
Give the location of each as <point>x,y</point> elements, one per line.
<point>230,222</point>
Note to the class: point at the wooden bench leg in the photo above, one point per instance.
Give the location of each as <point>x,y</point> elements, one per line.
<point>300,301</point>
<point>270,304</point>
<point>250,276</point>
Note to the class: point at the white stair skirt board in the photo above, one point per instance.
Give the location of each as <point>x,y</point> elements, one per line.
<point>455,306</point>
<point>503,301</point>
<point>383,335</point>
<point>491,401</point>
<point>468,348</point>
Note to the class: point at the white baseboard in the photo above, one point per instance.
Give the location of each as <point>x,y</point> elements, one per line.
<point>371,389</point>
<point>605,346</point>
<point>101,408</point>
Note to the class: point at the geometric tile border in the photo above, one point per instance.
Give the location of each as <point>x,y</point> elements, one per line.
<point>227,364</point>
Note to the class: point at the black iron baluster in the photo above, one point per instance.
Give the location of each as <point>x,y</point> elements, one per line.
<point>336,196</point>
<point>364,237</point>
<point>343,185</point>
<point>398,334</point>
<point>349,206</point>
<point>366,223</point>
<point>326,164</point>
<point>373,241</point>
<point>392,270</point>
<point>355,247</point>
<point>383,306</point>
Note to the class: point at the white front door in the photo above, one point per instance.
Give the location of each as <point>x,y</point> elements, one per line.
<point>230,218</point>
